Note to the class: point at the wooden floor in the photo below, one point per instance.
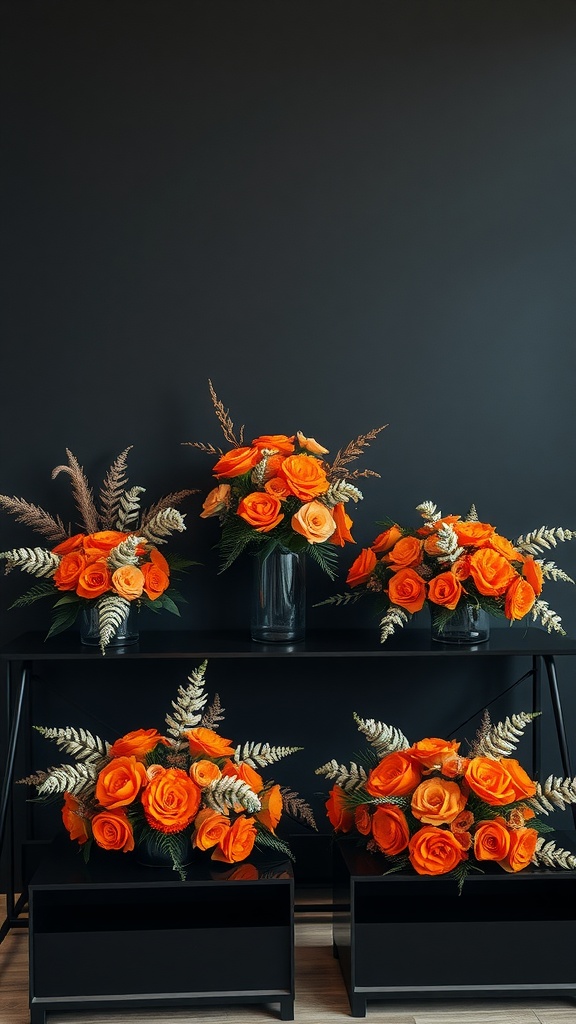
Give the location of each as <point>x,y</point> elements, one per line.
<point>320,996</point>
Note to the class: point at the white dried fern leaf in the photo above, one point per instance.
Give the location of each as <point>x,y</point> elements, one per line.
<point>129,509</point>
<point>546,537</point>
<point>228,792</point>
<point>341,491</point>
<point>548,617</point>
<point>68,778</point>
<point>495,741</point>
<point>555,793</point>
<point>429,511</point>
<point>550,571</point>
<point>189,704</point>
<point>124,553</point>
<point>348,778</point>
<point>394,618</point>
<point>36,561</point>
<point>548,855</point>
<point>258,474</point>
<point>80,743</point>
<point>472,516</point>
<point>384,738</point>
<point>258,755</point>
<point>112,610</point>
<point>447,542</point>
<point>166,522</point>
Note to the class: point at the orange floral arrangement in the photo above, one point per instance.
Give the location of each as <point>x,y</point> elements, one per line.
<point>190,789</point>
<point>428,807</point>
<point>450,562</point>
<point>280,490</point>
<point>113,565</point>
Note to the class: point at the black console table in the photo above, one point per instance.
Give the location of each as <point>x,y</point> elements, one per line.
<point>19,656</point>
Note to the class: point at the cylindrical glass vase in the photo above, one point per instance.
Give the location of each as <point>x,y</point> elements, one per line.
<point>279,597</point>
<point>90,631</point>
<point>468,624</point>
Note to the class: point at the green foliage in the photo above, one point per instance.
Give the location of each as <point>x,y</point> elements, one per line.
<point>36,593</point>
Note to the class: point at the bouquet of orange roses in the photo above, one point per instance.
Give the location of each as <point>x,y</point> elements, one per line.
<point>428,807</point>
<point>450,562</point>
<point>190,789</point>
<point>280,490</point>
<point>113,565</point>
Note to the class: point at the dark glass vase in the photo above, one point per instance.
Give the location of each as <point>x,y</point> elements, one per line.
<point>469,624</point>
<point>279,597</point>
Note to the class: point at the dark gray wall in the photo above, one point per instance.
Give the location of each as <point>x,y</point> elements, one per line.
<point>343,213</point>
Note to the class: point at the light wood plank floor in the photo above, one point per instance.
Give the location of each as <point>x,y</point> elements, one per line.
<point>320,996</point>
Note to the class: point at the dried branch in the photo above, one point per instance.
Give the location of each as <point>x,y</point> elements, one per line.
<point>81,491</point>
<point>42,522</point>
<point>352,451</point>
<point>114,484</point>
<point>224,420</point>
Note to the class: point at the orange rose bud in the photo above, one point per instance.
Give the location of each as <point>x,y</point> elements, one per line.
<point>94,580</point>
<point>314,521</point>
<point>491,840</point>
<point>386,540</point>
<point>431,752</point>
<point>120,782</point>
<point>171,800</point>
<point>491,572</point>
<point>245,772</point>
<point>361,567</point>
<point>98,545</point>
<point>437,801</point>
<point>216,501</point>
<point>363,820</point>
<point>74,821</point>
<point>68,572</point>
<point>341,534</point>
<point>434,851</point>
<point>498,782</point>
<point>204,772</point>
<point>445,590</point>
<point>472,534</point>
<point>406,553</point>
<point>278,487</point>
<point>390,829</point>
<point>237,462</point>
<point>522,846</point>
<point>310,444</point>
<point>407,590</point>
<point>137,743</point>
<point>503,546</point>
<point>395,775</point>
<point>128,582</point>
<point>260,510</point>
<point>532,572</point>
<point>238,842</point>
<point>113,831</point>
<point>461,567</point>
<point>210,827</point>
<point>519,599</point>
<point>272,807</point>
<point>206,741</point>
<point>283,444</point>
<point>339,814</point>
<point>305,476</point>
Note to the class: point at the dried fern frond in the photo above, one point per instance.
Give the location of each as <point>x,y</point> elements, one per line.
<point>472,516</point>
<point>550,571</point>
<point>258,755</point>
<point>338,599</point>
<point>297,807</point>
<point>81,491</point>
<point>124,553</point>
<point>209,448</point>
<point>68,778</point>
<point>36,518</point>
<point>225,421</point>
<point>229,792</point>
<point>384,738</point>
<point>495,741</point>
<point>213,715</point>
<point>168,501</point>
<point>429,512</point>
<point>80,743</point>
<point>189,703</point>
<point>394,618</point>
<point>36,561</point>
<point>549,618</point>
<point>166,522</point>
<point>129,509</point>
<point>353,450</point>
<point>340,491</point>
<point>348,778</point>
<point>546,537</point>
<point>36,593</point>
<point>548,855</point>
<point>555,793</point>
<point>447,543</point>
<point>114,484</point>
<point>112,610</point>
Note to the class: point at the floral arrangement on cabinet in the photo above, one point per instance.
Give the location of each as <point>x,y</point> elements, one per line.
<point>280,490</point>
<point>113,564</point>
<point>453,561</point>
<point>189,789</point>
<point>426,806</point>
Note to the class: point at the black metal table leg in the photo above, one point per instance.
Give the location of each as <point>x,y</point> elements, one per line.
<point>14,716</point>
<point>559,719</point>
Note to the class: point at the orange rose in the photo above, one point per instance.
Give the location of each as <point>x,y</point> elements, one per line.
<point>246,773</point>
<point>462,822</point>
<point>363,820</point>
<point>498,782</point>
<point>445,590</point>
<point>236,462</point>
<point>503,547</point>
<point>137,743</point>
<point>341,534</point>
<point>314,521</point>
<point>156,580</point>
<point>461,567</point>
<point>304,475</point>
<point>522,846</point>
<point>339,814</point>
<point>472,534</point>
<point>519,599</point>
<point>237,843</point>
<point>68,572</point>
<point>310,444</point>
<point>216,501</point>
<point>532,572</point>
<point>386,540</point>
<point>390,829</point>
<point>407,590</point>
<point>277,487</point>
<point>455,765</point>
<point>271,468</point>
<point>128,581</point>
<point>395,775</point>
<point>209,828</point>
<point>113,831</point>
<point>205,741</point>
<point>204,772</point>
<point>272,807</point>
<point>94,580</point>
<point>434,851</point>
<point>261,510</point>
<point>406,553</point>
<point>120,782</point>
<point>361,567</point>
<point>74,820</point>
<point>171,800</point>
<point>432,751</point>
<point>280,442</point>
<point>491,572</point>
<point>74,543</point>
<point>437,802</point>
<point>491,840</point>
<point>100,544</point>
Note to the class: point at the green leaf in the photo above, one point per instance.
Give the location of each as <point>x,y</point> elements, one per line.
<point>170,605</point>
<point>67,599</point>
<point>44,589</point>
<point>326,556</point>
<point>63,620</point>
